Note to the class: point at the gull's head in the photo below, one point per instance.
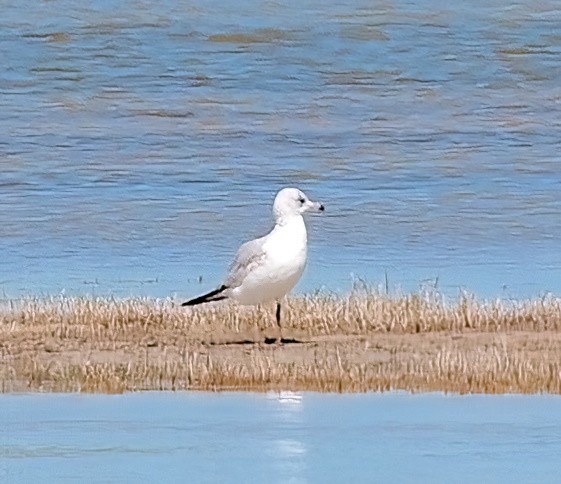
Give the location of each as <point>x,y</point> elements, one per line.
<point>291,201</point>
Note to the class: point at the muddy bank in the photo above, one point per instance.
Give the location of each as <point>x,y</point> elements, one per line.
<point>362,342</point>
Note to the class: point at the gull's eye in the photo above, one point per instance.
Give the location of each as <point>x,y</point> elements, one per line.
<point>301,200</point>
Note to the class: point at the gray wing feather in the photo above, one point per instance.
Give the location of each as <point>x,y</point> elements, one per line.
<point>249,256</point>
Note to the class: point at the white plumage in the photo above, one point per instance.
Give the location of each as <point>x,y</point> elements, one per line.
<point>266,269</point>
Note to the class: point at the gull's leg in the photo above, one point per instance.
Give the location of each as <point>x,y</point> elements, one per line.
<point>278,314</point>
<point>272,339</point>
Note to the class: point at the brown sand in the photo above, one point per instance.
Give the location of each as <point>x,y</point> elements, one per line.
<point>363,342</point>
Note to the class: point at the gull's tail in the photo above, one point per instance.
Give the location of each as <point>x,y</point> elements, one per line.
<point>216,295</point>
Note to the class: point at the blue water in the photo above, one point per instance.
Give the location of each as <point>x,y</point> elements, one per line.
<point>142,142</point>
<point>201,437</point>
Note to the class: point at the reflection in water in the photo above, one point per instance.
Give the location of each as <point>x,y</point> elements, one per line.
<point>242,437</point>
<point>288,451</point>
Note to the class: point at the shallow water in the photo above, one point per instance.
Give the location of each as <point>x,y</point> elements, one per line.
<point>141,142</point>
<point>201,437</point>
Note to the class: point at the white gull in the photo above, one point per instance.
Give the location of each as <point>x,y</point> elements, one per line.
<point>266,269</point>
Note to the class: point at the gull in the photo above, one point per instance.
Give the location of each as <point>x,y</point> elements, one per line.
<point>266,269</point>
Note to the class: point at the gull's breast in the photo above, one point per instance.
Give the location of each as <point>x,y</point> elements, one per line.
<point>286,253</point>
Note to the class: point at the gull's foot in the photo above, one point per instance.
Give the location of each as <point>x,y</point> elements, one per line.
<point>282,341</point>
<point>289,340</point>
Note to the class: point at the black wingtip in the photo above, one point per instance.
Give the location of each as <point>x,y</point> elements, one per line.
<point>209,297</point>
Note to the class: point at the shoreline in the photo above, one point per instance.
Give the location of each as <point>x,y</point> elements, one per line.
<point>358,343</point>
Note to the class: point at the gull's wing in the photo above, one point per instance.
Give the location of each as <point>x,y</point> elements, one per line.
<point>249,256</point>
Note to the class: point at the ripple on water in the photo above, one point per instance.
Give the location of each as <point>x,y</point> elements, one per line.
<point>147,142</point>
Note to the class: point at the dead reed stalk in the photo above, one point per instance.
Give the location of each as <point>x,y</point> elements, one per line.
<point>361,342</point>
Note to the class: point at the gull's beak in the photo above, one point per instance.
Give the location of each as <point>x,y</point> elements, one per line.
<point>315,207</point>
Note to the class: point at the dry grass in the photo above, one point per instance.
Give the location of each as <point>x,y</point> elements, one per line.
<point>363,342</point>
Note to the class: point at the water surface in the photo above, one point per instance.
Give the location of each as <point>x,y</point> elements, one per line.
<point>201,437</point>
<point>142,142</point>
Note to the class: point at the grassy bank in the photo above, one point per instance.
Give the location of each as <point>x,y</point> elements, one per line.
<point>362,342</point>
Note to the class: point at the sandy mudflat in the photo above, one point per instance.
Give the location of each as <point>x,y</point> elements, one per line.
<point>362,342</point>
